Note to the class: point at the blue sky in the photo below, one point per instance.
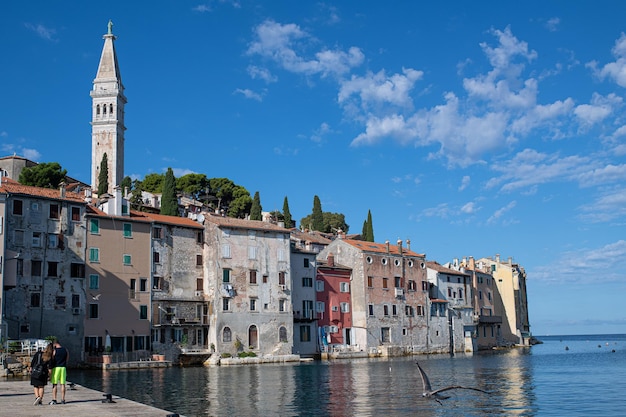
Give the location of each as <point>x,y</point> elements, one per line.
<point>470,128</point>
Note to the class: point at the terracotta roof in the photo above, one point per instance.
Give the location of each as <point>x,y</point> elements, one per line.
<point>244,224</point>
<point>314,237</point>
<point>438,300</point>
<point>440,268</point>
<point>10,186</point>
<point>380,247</point>
<point>140,216</point>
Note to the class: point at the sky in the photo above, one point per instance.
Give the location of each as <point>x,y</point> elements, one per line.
<point>470,128</point>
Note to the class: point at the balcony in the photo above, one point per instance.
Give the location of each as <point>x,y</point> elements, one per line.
<point>489,319</point>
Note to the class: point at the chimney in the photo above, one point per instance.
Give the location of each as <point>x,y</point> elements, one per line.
<point>497,257</point>
<point>510,260</point>
<point>399,243</point>
<point>408,244</point>
<point>387,245</point>
<point>331,260</point>
<point>471,263</point>
<point>62,189</point>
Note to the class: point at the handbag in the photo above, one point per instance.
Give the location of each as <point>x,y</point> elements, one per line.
<point>38,370</point>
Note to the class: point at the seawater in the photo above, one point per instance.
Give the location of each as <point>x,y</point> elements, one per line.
<point>564,376</point>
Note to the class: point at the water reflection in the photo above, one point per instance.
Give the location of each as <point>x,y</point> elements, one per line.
<point>543,380</point>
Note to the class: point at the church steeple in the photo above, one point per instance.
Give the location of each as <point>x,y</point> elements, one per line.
<point>107,120</point>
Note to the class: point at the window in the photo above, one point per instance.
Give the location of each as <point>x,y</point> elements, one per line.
<point>94,281</point>
<point>143,312</point>
<point>320,306</point>
<point>370,282</point>
<point>128,230</point>
<point>53,241</point>
<point>199,260</point>
<point>54,211</point>
<point>35,268</point>
<point>20,268</point>
<point>93,311</point>
<point>305,333</point>
<point>386,310</point>
<point>344,287</point>
<point>127,259</point>
<point>424,285</point>
<point>252,274</point>
<point>77,270</point>
<point>253,303</point>
<point>133,287</point>
<point>319,285</point>
<point>157,283</point>
<point>281,278</point>
<point>394,310</point>
<point>18,207</point>
<point>281,254</point>
<point>307,309</point>
<point>489,295</point>
<point>36,241</point>
<point>409,311</point>
<point>226,335</point>
<point>156,257</point>
<point>265,277</point>
<point>225,251</point>
<point>53,269</point>
<point>59,300</point>
<point>282,334</point>
<point>412,285</point>
<point>75,214</point>
<point>449,292</point>
<point>199,284</point>
<point>35,299</point>
<point>420,310</point>
<point>345,307</point>
<point>370,309</point>
<point>385,335</point>
<point>226,275</point>
<point>157,233</point>
<point>281,305</point>
<point>307,282</point>
<point>251,252</point>
<point>225,304</point>
<point>143,284</point>
<point>397,282</point>
<point>306,262</point>
<point>385,282</point>
<point>94,226</point>
<point>200,236</point>
<point>460,293</point>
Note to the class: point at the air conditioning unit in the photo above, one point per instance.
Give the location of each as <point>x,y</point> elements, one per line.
<point>399,292</point>
<point>76,311</point>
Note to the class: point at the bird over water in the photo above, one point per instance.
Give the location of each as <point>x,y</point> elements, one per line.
<point>429,392</point>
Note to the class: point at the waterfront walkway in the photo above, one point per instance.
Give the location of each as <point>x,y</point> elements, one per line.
<point>17,397</point>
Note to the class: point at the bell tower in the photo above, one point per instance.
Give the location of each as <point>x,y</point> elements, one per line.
<point>107,116</point>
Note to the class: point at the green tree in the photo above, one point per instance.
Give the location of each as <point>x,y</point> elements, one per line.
<point>287,215</point>
<point>194,185</point>
<point>317,216</point>
<point>169,202</point>
<point>368,228</point>
<point>241,203</point>
<point>103,176</point>
<point>229,198</point>
<point>136,200</point>
<point>333,222</point>
<point>153,183</point>
<point>46,175</point>
<point>127,184</point>
<point>256,210</point>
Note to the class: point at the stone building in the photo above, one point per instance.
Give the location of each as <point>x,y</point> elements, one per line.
<point>247,266</point>
<point>43,270</point>
<point>388,299</point>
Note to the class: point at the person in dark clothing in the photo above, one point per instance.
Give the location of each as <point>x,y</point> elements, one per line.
<point>39,381</point>
<point>61,357</point>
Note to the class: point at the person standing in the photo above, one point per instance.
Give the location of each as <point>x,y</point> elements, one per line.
<point>60,357</point>
<point>39,372</point>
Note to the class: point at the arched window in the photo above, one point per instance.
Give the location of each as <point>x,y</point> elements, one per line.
<point>282,334</point>
<point>98,110</point>
<point>111,108</point>
<point>104,109</point>
<point>253,337</point>
<point>226,335</point>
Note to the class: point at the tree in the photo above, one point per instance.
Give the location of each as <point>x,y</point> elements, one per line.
<point>194,185</point>
<point>256,211</point>
<point>153,183</point>
<point>287,215</point>
<point>103,176</point>
<point>229,198</point>
<point>332,223</point>
<point>136,198</point>
<point>317,217</point>
<point>240,204</point>
<point>127,184</point>
<point>368,228</point>
<point>46,175</point>
<point>169,202</point>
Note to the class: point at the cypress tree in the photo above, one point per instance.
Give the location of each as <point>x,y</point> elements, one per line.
<point>103,176</point>
<point>318,215</point>
<point>287,214</point>
<point>364,231</point>
<point>256,209</point>
<point>370,227</point>
<point>169,202</point>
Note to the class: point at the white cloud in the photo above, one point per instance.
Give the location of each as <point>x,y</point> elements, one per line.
<point>552,24</point>
<point>464,182</point>
<point>616,71</point>
<point>469,208</point>
<point>179,172</point>
<point>282,44</point>
<point>261,73</point>
<point>247,93</point>
<point>585,266</point>
<point>609,206</point>
<point>202,8</point>
<point>380,88</point>
<point>320,132</point>
<point>501,212</point>
<point>31,154</point>
<point>598,110</point>
<point>42,31</point>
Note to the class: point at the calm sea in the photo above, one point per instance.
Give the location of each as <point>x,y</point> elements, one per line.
<point>564,376</point>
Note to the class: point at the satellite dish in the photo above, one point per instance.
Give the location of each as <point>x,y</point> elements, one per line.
<point>200,218</point>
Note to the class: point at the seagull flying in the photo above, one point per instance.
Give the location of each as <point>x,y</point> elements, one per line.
<point>95,297</point>
<point>429,392</point>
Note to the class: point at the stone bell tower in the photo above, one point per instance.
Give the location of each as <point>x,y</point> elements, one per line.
<point>107,116</point>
